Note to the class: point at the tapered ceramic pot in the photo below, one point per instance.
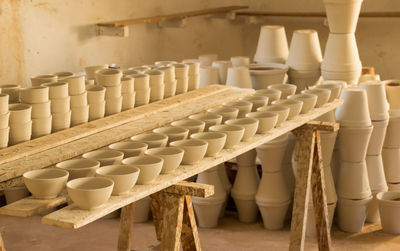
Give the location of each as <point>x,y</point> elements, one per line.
<point>222,66</point>
<point>377,101</point>
<point>377,137</point>
<point>392,138</point>
<point>353,143</point>
<point>373,209</point>
<point>311,230</point>
<point>239,77</point>
<point>351,214</point>
<point>272,45</point>
<point>353,182</point>
<point>271,154</point>
<point>264,75</point>
<point>342,15</point>
<point>226,185</point>
<point>391,160</point>
<point>209,75</point>
<point>389,208</point>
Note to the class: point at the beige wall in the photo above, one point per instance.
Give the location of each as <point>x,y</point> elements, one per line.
<point>38,37</point>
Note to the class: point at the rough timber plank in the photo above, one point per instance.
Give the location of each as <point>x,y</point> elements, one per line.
<point>73,217</point>
<point>126,228</point>
<point>2,247</point>
<point>192,189</point>
<point>30,206</point>
<point>181,107</point>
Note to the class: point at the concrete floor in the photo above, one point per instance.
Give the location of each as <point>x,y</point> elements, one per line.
<point>29,234</point>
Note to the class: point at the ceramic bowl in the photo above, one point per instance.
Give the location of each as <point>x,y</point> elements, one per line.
<point>79,168</point>
<point>225,112</point>
<point>129,148</point>
<point>257,101</point>
<point>263,75</point>
<point>295,107</point>
<point>194,126</point>
<point>127,85</point>
<point>286,89</point>
<point>20,113</point>
<point>95,94</point>
<point>150,167</point>
<point>108,77</point>
<point>79,100</point>
<point>172,157</point>
<point>272,94</point>
<point>335,88</point>
<point>60,105</point>
<point>61,121</point>
<point>152,139</point>
<point>194,150</point>
<point>250,126</point>
<point>113,105</point>
<point>124,177</point>
<point>76,85</point>
<point>45,183</point>
<point>281,110</point>
<point>234,134</point>
<point>79,115</point>
<point>174,133</point>
<point>309,101</point>
<point>216,141</point>
<point>41,79</point>
<point>243,106</point>
<point>32,95</point>
<point>97,110</point>
<point>322,93</point>
<point>266,120</point>
<point>57,89</point>
<point>209,118</point>
<point>4,100</point>
<point>105,157</point>
<point>91,192</point>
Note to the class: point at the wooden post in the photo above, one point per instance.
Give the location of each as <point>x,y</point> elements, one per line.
<point>2,247</point>
<point>172,214</point>
<point>126,228</point>
<point>190,235</point>
<point>156,212</point>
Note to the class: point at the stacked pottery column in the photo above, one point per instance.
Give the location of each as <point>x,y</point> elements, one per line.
<point>379,113</point>
<point>20,123</point>
<point>341,60</point>
<point>193,74</point>
<point>182,80</point>
<point>111,80</point>
<point>391,146</point>
<point>169,80</point>
<point>273,197</point>
<point>4,120</point>
<point>352,186</point>
<point>78,100</point>
<point>60,106</point>
<point>128,93</point>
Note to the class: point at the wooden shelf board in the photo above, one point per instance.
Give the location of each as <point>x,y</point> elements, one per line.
<point>59,146</point>
<point>73,217</point>
<point>176,16</point>
<point>312,14</point>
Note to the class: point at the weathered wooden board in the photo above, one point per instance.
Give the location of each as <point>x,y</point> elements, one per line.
<point>167,111</point>
<point>73,217</point>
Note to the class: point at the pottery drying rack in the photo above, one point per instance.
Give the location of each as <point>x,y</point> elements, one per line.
<point>174,218</point>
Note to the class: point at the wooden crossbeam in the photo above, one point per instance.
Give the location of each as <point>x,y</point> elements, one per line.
<point>191,188</point>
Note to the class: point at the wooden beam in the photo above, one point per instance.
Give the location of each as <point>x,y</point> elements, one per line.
<point>170,17</point>
<point>126,228</point>
<point>190,235</point>
<point>191,188</point>
<point>72,217</point>
<point>2,246</point>
<point>150,116</point>
<point>172,213</point>
<point>314,14</point>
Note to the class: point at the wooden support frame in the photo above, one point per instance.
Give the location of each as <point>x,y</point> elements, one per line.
<point>2,247</point>
<point>309,168</point>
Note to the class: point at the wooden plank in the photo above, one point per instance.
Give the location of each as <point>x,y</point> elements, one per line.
<point>2,247</point>
<point>126,228</point>
<point>303,158</point>
<point>72,217</point>
<point>166,112</point>
<point>172,214</point>
<point>176,16</point>
<point>191,188</point>
<point>190,235</point>
<point>319,198</point>
<point>156,212</point>
<point>314,14</point>
<point>323,126</point>
<point>30,206</point>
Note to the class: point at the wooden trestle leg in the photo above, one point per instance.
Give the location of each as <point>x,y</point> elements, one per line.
<point>126,228</point>
<point>174,216</point>
<point>2,247</point>
<point>309,170</point>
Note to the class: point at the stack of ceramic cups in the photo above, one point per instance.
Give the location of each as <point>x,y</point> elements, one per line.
<point>240,61</point>
<point>273,197</point>
<point>96,101</point>
<point>245,187</point>
<point>38,98</point>
<point>4,119</point>
<point>41,79</point>
<point>193,74</point>
<point>156,83</point>
<point>391,146</point>
<point>379,113</point>
<point>20,123</point>
<point>111,80</point>
<point>208,209</point>
<point>142,89</point>
<point>207,59</point>
<point>341,59</point>
<point>222,66</point>
<point>272,45</point>
<point>352,186</point>
<point>239,77</point>
<point>91,71</point>
<point>128,93</point>
<point>169,80</point>
<point>12,91</point>
<point>60,105</point>
<point>78,100</point>
<point>209,75</point>
<point>182,79</point>
<point>304,59</point>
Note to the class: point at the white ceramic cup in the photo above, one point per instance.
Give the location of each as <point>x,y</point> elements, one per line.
<point>97,110</point>
<point>127,85</point>
<point>96,94</point>
<point>20,113</point>
<point>33,95</point>
<point>41,126</point>
<point>61,121</point>
<point>57,89</point>
<point>113,91</point>
<point>60,105</point>
<point>108,77</point>
<point>128,101</point>
<point>113,105</point>
<point>79,100</point>
<point>76,85</point>
<point>79,115</point>
<point>41,110</point>
<point>142,81</point>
